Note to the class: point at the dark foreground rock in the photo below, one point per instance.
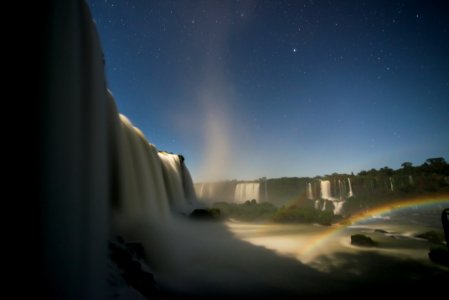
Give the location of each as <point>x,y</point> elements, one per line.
<point>362,240</point>
<point>206,214</point>
<point>128,258</point>
<point>440,256</point>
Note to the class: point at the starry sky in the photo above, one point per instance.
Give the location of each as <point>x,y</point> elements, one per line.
<point>246,89</point>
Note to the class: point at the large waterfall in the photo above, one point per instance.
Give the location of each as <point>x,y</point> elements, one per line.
<point>100,176</point>
<point>246,191</point>
<point>150,183</point>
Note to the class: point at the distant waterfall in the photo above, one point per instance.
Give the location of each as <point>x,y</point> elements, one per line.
<point>325,189</point>
<point>309,191</point>
<point>317,204</point>
<point>205,190</point>
<point>246,191</point>
<point>350,194</point>
<point>410,180</point>
<point>391,184</point>
<point>338,207</point>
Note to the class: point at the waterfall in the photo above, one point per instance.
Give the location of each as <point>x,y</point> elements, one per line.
<point>177,182</point>
<point>350,194</point>
<point>317,204</point>
<point>246,191</point>
<point>410,180</point>
<point>100,175</point>
<point>338,207</point>
<point>152,183</point>
<point>324,205</point>
<point>325,189</point>
<point>205,191</point>
<point>391,184</point>
<point>309,191</point>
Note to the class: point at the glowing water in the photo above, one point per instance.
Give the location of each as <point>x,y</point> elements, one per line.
<point>150,183</point>
<point>350,194</point>
<point>338,207</point>
<point>325,189</point>
<point>309,191</point>
<point>205,190</point>
<point>246,191</point>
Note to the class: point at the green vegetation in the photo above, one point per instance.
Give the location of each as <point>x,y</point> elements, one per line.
<point>248,211</point>
<point>253,211</point>
<point>304,215</point>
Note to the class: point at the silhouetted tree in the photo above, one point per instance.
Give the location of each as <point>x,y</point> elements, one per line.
<point>407,165</point>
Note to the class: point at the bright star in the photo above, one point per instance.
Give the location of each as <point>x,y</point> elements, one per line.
<point>294,49</point>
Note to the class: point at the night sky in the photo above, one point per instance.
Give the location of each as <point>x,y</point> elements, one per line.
<point>246,89</point>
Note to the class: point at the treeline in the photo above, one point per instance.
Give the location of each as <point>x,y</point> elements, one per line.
<point>437,165</point>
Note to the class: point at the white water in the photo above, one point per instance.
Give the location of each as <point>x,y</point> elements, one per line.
<point>350,194</point>
<point>338,207</point>
<point>410,180</point>
<point>246,191</point>
<point>325,189</point>
<point>391,184</point>
<point>151,184</point>
<point>205,190</point>
<point>309,191</point>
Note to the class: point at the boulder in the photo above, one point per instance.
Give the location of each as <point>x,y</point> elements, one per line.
<point>362,240</point>
<point>205,214</point>
<point>439,256</point>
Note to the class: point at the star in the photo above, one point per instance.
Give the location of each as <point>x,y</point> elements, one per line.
<point>294,49</point>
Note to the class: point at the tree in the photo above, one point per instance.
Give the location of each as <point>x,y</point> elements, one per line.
<point>436,161</point>
<point>406,165</point>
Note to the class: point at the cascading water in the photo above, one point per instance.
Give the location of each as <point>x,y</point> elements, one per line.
<point>309,191</point>
<point>246,191</point>
<point>177,183</point>
<point>391,184</point>
<point>338,207</point>
<point>205,190</point>
<point>152,183</point>
<point>410,180</point>
<point>325,189</point>
<point>350,194</point>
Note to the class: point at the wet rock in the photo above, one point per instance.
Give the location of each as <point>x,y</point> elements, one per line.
<point>362,240</point>
<point>439,256</point>
<point>205,214</point>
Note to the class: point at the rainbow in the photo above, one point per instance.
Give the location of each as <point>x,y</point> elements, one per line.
<point>323,237</point>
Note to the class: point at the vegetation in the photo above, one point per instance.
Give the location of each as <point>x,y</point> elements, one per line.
<point>248,211</point>
<point>304,215</point>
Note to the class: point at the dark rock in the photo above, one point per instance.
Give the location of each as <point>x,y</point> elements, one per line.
<point>439,256</point>
<point>380,231</point>
<point>126,257</point>
<point>362,240</point>
<point>431,236</point>
<point>206,214</point>
<point>136,249</point>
